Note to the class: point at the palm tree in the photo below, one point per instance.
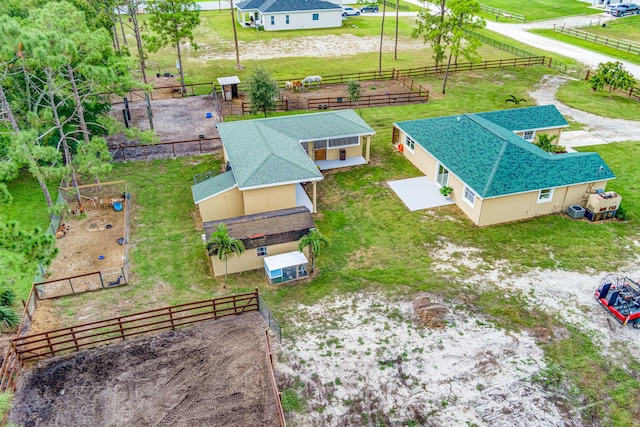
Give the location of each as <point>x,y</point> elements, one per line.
<point>515,100</point>
<point>222,245</point>
<point>315,242</point>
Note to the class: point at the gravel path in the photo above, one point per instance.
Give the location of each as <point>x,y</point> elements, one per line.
<point>598,130</point>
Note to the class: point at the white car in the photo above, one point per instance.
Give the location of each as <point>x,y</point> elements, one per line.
<point>349,11</point>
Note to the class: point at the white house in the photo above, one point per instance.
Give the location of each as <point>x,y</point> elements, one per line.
<point>275,15</point>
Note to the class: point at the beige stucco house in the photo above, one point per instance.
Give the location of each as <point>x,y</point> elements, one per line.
<point>274,163</point>
<point>497,174</point>
<point>268,192</point>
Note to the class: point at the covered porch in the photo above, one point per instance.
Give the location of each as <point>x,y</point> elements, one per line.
<point>286,267</point>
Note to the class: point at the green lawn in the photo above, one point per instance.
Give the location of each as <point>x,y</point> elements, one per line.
<point>578,94</point>
<point>627,28</point>
<point>535,10</point>
<point>605,50</point>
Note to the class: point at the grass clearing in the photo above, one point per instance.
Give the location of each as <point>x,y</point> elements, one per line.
<point>578,94</point>
<point>536,10</point>
<point>605,50</point>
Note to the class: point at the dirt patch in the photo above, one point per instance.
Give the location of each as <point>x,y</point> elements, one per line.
<point>299,100</point>
<point>210,374</point>
<point>90,245</point>
<point>177,119</point>
<point>364,359</point>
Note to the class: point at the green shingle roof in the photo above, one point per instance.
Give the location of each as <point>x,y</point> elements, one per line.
<point>267,152</point>
<point>529,118</point>
<point>494,161</point>
<point>212,186</point>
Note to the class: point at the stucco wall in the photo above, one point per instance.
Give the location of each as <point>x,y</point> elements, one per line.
<point>303,20</point>
<point>250,260</point>
<point>225,205</point>
<point>352,151</point>
<point>269,199</point>
<point>522,206</point>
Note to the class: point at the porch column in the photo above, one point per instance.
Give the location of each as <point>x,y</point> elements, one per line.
<point>314,198</point>
<point>367,149</point>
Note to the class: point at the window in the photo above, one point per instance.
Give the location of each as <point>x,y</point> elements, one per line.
<point>316,17</point>
<point>320,145</point>
<point>545,195</point>
<point>286,18</point>
<point>469,196</point>
<point>302,271</point>
<point>442,177</point>
<point>339,142</point>
<point>273,20</point>
<point>528,135</point>
<point>262,251</point>
<point>410,143</point>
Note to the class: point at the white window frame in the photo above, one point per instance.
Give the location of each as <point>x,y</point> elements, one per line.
<point>545,195</point>
<point>286,19</point>
<point>315,17</point>
<point>533,135</point>
<point>466,191</point>
<point>273,20</point>
<point>410,143</point>
<point>261,251</point>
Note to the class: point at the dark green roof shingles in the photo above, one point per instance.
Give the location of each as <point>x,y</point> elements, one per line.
<point>493,161</point>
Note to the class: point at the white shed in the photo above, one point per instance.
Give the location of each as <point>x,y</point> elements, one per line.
<point>286,267</point>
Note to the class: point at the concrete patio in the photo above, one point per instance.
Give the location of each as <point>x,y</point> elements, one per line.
<point>419,193</point>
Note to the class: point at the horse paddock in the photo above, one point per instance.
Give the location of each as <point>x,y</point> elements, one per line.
<point>213,373</point>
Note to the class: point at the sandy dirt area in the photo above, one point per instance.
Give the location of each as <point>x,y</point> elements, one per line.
<point>209,374</point>
<point>368,359</point>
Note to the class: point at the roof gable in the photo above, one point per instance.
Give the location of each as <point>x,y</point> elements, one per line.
<point>528,118</point>
<point>287,5</point>
<point>493,161</point>
<point>212,186</point>
<point>267,152</point>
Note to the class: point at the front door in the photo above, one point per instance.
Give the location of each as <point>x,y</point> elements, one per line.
<point>442,177</point>
<point>320,150</point>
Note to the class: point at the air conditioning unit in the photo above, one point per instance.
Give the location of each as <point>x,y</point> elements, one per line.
<point>575,211</point>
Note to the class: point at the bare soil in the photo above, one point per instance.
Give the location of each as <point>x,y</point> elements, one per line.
<point>210,374</point>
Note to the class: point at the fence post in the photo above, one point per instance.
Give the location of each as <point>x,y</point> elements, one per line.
<point>51,350</point>
<point>75,340</point>
<point>120,328</point>
<point>171,319</point>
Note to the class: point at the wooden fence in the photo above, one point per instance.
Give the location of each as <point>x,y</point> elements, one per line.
<point>272,376</point>
<point>166,92</point>
<point>474,66</point>
<point>90,335</point>
<point>162,150</point>
<point>594,38</point>
<point>499,13</point>
<point>368,101</point>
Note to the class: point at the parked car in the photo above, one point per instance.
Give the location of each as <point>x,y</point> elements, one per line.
<point>624,9</point>
<point>349,11</point>
<point>373,8</point>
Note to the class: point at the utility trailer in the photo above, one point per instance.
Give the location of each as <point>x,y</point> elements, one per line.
<point>620,296</point>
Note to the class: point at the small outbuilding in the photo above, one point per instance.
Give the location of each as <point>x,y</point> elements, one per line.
<point>286,267</point>
<point>264,235</point>
<point>229,87</point>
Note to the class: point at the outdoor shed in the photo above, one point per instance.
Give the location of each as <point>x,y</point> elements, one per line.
<point>286,267</point>
<point>229,87</point>
<point>264,234</point>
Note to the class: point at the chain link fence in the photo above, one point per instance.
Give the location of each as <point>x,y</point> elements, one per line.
<point>268,317</point>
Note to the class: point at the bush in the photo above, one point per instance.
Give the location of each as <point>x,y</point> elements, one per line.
<point>7,297</point>
<point>445,190</point>
<point>9,320</point>
<point>622,213</point>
